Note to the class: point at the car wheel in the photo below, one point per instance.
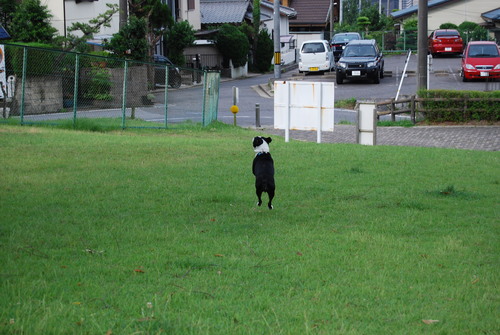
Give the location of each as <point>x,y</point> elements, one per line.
<point>376,79</point>
<point>340,80</point>
<point>382,73</point>
<point>175,80</point>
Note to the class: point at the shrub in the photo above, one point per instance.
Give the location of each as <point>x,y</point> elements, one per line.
<point>448,25</point>
<point>450,110</point>
<point>233,44</point>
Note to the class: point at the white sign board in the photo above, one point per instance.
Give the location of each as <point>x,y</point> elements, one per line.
<point>300,105</point>
<point>3,77</point>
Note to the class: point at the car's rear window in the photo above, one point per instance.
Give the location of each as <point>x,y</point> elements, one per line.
<point>449,33</point>
<point>309,48</point>
<point>345,38</point>
<point>483,50</point>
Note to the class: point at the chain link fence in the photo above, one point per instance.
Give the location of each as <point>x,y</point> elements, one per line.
<point>54,87</point>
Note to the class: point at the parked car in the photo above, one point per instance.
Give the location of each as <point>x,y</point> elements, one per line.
<point>361,59</point>
<point>315,56</point>
<point>481,60</point>
<point>340,40</point>
<point>174,74</point>
<point>445,42</point>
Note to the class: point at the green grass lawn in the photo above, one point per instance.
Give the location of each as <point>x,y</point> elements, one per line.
<point>150,232</point>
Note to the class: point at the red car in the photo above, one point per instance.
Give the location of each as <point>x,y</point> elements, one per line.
<point>445,41</point>
<point>481,60</point>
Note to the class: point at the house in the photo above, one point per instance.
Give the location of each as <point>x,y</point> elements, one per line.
<point>65,13</point>
<point>313,19</point>
<point>186,10</point>
<point>217,12</point>
<point>482,12</point>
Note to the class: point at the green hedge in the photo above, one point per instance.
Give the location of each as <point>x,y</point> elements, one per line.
<point>455,110</point>
<point>40,58</point>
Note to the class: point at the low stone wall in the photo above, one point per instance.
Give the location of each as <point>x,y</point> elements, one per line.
<point>42,95</point>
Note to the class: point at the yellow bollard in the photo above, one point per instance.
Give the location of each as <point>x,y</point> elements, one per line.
<point>234,109</point>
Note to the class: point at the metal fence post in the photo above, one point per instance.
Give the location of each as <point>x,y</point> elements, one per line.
<point>124,95</point>
<point>203,107</point>
<point>166,97</point>
<point>23,83</point>
<point>75,87</point>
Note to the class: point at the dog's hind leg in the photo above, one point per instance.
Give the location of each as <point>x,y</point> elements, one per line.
<point>259,196</point>
<point>271,196</point>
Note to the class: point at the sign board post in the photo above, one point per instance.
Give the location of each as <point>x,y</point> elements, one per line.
<point>367,123</point>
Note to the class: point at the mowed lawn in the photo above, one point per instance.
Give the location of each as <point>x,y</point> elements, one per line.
<point>158,232</point>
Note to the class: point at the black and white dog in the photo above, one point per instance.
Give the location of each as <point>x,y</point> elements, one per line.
<point>263,169</point>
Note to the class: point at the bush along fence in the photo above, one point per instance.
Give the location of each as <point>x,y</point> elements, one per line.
<point>446,106</point>
<point>55,87</point>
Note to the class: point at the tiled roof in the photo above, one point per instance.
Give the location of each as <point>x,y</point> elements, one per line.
<point>310,12</point>
<point>492,15</point>
<point>223,11</point>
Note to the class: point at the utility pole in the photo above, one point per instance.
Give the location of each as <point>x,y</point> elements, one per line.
<point>331,19</point>
<point>422,45</point>
<point>277,41</point>
<point>123,13</point>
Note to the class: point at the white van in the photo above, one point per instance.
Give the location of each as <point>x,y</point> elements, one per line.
<point>315,56</point>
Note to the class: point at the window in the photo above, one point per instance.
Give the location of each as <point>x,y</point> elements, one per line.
<point>190,4</point>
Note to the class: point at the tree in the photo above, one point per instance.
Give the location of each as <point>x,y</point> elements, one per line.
<point>264,52</point>
<point>351,10</point>
<point>256,29</point>
<point>158,18</point>
<point>363,22</point>
<point>7,10</point>
<point>129,42</point>
<point>73,42</point>
<point>31,23</point>
<point>233,45</point>
<point>178,37</point>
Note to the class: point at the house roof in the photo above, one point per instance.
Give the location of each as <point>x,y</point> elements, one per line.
<point>310,12</point>
<point>414,9</point>
<point>492,15</point>
<point>4,35</point>
<point>234,11</point>
<point>224,11</point>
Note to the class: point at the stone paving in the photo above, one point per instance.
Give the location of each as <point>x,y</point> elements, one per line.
<point>486,138</point>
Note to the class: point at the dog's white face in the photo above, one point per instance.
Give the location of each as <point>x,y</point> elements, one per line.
<point>261,144</point>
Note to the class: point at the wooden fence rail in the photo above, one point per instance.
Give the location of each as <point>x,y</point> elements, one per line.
<point>413,106</point>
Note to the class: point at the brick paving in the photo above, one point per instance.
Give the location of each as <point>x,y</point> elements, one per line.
<point>485,138</point>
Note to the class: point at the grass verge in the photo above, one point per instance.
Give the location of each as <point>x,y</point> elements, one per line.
<point>152,232</point>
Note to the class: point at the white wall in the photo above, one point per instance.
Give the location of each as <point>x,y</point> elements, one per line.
<point>460,11</point>
<point>80,12</point>
<point>192,16</point>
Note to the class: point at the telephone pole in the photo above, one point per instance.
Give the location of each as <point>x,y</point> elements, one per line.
<point>422,44</point>
<point>277,41</point>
